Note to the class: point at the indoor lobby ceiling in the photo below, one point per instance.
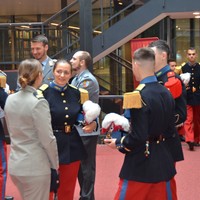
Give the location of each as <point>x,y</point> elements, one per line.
<point>29,7</point>
<point>32,7</point>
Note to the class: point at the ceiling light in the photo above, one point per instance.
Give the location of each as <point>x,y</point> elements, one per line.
<point>74,27</point>
<point>196,13</point>
<point>54,24</point>
<point>25,26</point>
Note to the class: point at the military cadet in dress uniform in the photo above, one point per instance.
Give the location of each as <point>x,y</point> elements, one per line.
<point>174,84</point>
<point>65,103</point>
<point>148,167</point>
<point>192,123</point>
<point>33,150</point>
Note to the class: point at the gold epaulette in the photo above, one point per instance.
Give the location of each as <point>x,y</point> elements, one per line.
<point>2,79</point>
<point>182,64</point>
<point>84,95</point>
<point>133,99</point>
<point>178,69</point>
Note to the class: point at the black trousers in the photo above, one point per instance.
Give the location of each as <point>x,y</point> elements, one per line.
<point>87,171</point>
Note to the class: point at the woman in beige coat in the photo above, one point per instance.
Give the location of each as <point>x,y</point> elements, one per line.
<point>33,145</point>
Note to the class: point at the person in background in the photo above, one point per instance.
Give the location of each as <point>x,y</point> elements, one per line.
<point>3,147</point>
<point>39,48</point>
<point>174,83</point>
<point>33,150</point>
<point>192,123</point>
<point>172,63</point>
<point>173,67</point>
<point>148,166</point>
<point>65,105</point>
<point>80,61</point>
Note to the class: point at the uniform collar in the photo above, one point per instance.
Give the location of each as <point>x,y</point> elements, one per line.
<point>149,79</point>
<point>45,61</point>
<point>57,87</point>
<point>82,73</point>
<point>192,65</point>
<point>163,71</point>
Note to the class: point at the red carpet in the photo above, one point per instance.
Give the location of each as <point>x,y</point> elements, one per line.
<point>108,165</point>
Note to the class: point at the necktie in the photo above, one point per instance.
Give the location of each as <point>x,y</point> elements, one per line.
<point>43,66</point>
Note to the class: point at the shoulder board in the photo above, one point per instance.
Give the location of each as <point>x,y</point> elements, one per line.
<point>86,75</point>
<point>38,95</point>
<point>133,99</point>
<point>84,95</point>
<point>73,86</point>
<point>43,87</point>
<point>140,87</point>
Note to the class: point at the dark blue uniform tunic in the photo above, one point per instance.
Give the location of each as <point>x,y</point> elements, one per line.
<point>193,89</point>
<point>64,107</point>
<point>151,122</point>
<point>180,114</point>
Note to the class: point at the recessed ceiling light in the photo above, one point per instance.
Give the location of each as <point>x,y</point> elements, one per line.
<point>197,17</point>
<point>196,13</point>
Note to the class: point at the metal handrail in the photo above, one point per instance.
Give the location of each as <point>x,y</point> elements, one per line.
<point>117,14</point>
<point>60,12</point>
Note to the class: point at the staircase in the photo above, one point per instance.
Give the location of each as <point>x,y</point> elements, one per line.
<point>138,21</point>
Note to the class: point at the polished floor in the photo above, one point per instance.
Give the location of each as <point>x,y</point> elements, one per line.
<point>108,165</point>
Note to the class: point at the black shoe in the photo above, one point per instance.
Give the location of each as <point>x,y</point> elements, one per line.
<point>196,144</point>
<point>182,138</point>
<point>191,146</point>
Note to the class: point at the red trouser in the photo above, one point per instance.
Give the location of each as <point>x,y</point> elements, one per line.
<point>68,175</point>
<point>192,124</point>
<point>181,130</point>
<point>146,191</point>
<point>3,168</point>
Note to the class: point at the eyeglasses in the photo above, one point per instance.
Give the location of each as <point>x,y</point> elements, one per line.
<point>60,72</point>
<point>191,54</point>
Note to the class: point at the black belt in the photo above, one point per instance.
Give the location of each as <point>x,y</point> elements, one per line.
<point>66,129</point>
<point>157,139</point>
<point>160,138</point>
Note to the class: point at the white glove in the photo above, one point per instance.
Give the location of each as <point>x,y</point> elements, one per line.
<point>185,77</point>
